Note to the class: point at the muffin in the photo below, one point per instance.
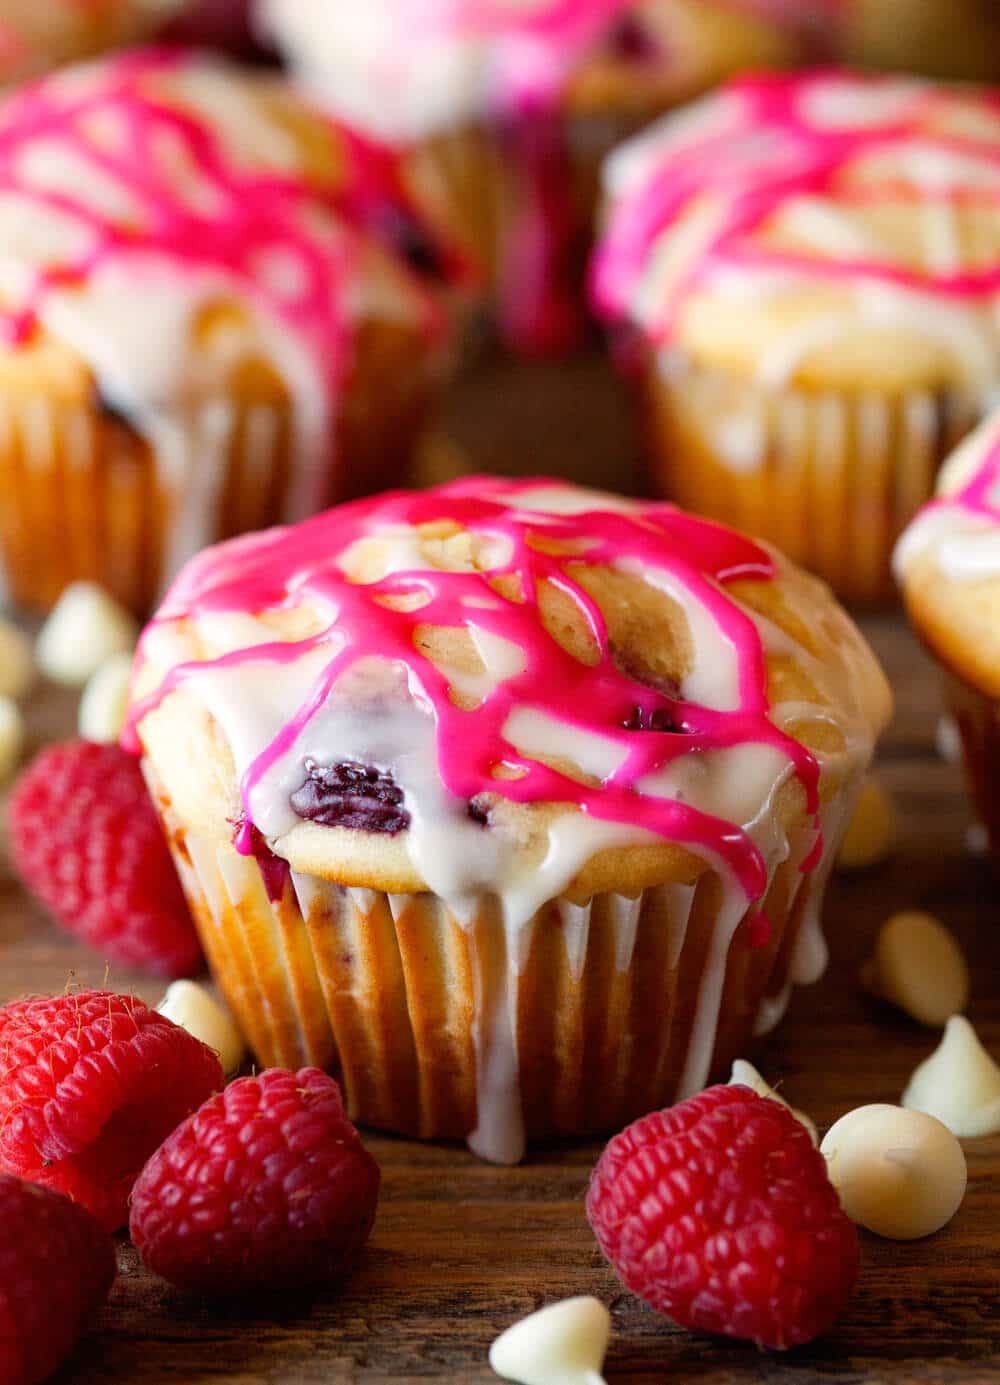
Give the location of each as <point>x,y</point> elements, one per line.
<point>504,109</point>
<point>201,336</point>
<point>803,272</point>
<point>948,564</point>
<point>958,39</point>
<point>512,803</point>
<point>36,36</point>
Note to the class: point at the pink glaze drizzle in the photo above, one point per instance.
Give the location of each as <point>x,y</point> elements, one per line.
<point>980,494</point>
<point>252,213</point>
<point>283,567</point>
<point>769,152</point>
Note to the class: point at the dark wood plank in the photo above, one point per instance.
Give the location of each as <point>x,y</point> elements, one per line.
<point>462,1249</point>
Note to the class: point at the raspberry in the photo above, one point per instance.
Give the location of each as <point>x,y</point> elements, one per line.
<point>86,839</point>
<point>719,1213</point>
<point>90,1085</point>
<point>268,1186</point>
<point>56,1267</point>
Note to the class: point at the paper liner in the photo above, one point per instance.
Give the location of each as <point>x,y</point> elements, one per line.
<point>978,719</point>
<point>831,479</point>
<point>618,1006</point>
<point>86,496</point>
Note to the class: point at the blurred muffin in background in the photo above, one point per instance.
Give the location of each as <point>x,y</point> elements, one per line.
<point>36,35</point>
<point>805,273</point>
<point>200,334</point>
<point>504,108</point>
<point>958,39</point>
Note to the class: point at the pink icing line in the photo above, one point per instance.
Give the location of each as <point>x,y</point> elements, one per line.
<point>252,214</point>
<point>794,158</point>
<point>283,567</point>
<point>976,496</point>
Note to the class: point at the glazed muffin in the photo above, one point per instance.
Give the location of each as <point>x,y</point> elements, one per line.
<point>511,802</point>
<point>200,335</point>
<point>504,108</point>
<point>948,564</point>
<point>957,39</point>
<point>804,274</point>
<point>35,37</point>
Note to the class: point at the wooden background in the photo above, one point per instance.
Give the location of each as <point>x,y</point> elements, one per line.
<point>461,1249</point>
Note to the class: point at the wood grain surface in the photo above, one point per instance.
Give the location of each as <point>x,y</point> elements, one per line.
<point>461,1249</point>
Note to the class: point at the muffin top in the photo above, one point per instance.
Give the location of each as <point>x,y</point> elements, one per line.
<point>948,562</point>
<point>407,69</point>
<point>519,688</point>
<point>822,230</point>
<point>169,222</point>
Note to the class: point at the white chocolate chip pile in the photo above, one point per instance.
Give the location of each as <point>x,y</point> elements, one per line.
<point>195,1009</point>
<point>84,629</point>
<point>11,737</point>
<point>563,1344</point>
<point>871,831</point>
<point>105,701</point>
<point>919,966</point>
<point>959,1083</point>
<point>17,664</point>
<point>900,1173</point>
<point>744,1074</point>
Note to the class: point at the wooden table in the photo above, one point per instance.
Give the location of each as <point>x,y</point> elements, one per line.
<point>461,1249</point>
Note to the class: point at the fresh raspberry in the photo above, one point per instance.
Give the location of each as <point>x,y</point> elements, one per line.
<point>85,837</point>
<point>56,1267</point>
<point>90,1085</point>
<point>268,1186</point>
<point>719,1213</point>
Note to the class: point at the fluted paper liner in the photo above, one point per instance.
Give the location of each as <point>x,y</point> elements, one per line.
<point>978,719</point>
<point>86,497</point>
<point>618,1005</point>
<point>830,478</point>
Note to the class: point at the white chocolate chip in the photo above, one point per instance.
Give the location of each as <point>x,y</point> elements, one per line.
<point>84,629</point>
<point>919,966</point>
<point>900,1173</point>
<point>563,1344</point>
<point>11,737</point>
<point>959,1083</point>
<point>17,666</point>
<point>105,701</point>
<point>871,831</point>
<point>195,1009</point>
<point>744,1074</point>
<point>948,740</point>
